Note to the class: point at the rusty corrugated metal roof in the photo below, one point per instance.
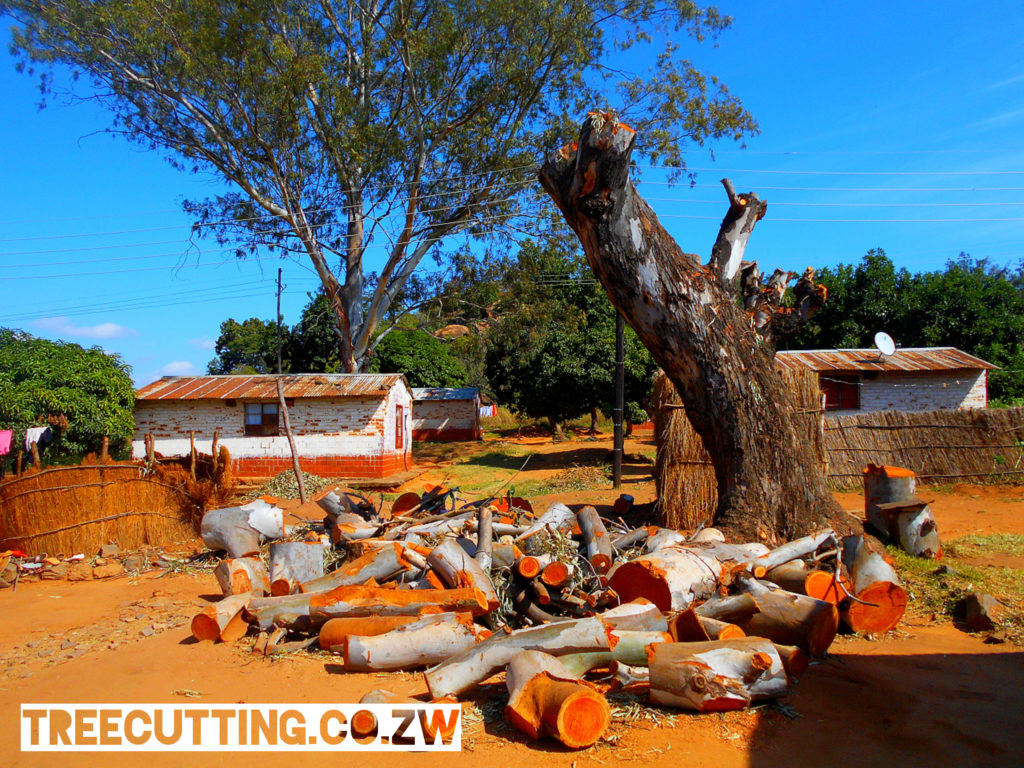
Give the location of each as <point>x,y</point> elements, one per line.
<point>910,359</point>
<point>264,386</point>
<point>445,393</point>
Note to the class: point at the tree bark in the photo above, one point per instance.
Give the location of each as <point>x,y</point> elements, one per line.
<point>241,575</point>
<point>428,640</point>
<point>293,563</point>
<point>769,486</point>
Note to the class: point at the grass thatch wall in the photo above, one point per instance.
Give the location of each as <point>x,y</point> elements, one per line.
<point>685,478</point>
<point>985,445</point>
<point>71,510</point>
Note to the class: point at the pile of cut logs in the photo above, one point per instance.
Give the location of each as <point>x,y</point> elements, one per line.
<point>551,600</point>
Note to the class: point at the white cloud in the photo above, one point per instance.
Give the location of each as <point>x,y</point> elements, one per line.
<point>178,368</point>
<point>64,327</point>
<point>203,343</point>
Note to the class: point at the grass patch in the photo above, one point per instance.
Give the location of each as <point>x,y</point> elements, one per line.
<point>939,587</point>
<point>574,478</point>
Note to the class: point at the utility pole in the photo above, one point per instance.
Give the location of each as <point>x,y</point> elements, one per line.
<point>620,398</point>
<point>279,321</point>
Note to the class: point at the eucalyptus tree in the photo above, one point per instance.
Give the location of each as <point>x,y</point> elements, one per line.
<point>361,134</point>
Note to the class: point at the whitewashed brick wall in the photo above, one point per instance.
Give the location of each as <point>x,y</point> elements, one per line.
<point>924,392</point>
<point>349,426</point>
<point>445,414</point>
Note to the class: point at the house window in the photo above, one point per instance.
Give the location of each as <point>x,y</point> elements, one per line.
<point>842,393</point>
<point>260,419</point>
<point>400,427</point>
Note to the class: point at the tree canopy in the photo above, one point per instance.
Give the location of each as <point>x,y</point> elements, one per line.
<point>550,352</point>
<point>424,360</point>
<point>47,382</point>
<point>375,129</point>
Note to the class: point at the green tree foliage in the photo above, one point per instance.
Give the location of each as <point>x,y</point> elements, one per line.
<point>248,347</point>
<point>971,304</point>
<point>551,352</point>
<point>354,127</point>
<point>42,381</point>
<point>424,360</point>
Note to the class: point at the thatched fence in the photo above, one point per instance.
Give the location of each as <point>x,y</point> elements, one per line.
<point>984,445</point>
<point>77,509</point>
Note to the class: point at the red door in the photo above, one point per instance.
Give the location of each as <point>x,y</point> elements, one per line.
<point>400,427</point>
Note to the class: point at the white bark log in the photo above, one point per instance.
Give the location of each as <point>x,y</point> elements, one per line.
<point>293,563</point>
<point>457,569</point>
<point>242,575</point>
<point>672,577</point>
<point>429,640</point>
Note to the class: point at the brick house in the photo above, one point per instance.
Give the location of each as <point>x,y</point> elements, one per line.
<point>922,379</point>
<point>442,415</point>
<point>344,425</point>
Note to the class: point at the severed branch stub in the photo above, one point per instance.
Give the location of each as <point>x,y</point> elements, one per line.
<point>769,487</point>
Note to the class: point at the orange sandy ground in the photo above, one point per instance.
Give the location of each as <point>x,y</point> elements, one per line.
<point>925,695</point>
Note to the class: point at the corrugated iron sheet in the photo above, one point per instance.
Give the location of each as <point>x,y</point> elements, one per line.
<point>264,386</point>
<point>911,359</point>
<point>445,393</point>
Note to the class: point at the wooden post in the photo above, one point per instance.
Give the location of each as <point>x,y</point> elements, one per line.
<point>213,450</point>
<point>620,390</point>
<point>150,449</point>
<point>291,441</point>
<point>21,457</point>
<point>36,461</point>
<point>105,450</point>
<point>192,454</point>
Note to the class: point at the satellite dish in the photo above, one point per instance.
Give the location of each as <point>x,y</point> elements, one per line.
<point>886,346</point>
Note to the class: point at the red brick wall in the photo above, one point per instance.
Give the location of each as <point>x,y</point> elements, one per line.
<point>325,466</point>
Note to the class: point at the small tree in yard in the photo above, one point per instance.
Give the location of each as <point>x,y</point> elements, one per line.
<point>712,328</point>
<point>372,127</point>
<point>45,381</point>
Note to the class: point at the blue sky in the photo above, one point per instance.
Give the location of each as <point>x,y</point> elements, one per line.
<point>892,125</point>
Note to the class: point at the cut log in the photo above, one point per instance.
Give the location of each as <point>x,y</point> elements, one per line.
<point>626,675</point>
<point>910,524</point>
<point>292,563</point>
<point>671,578</point>
<point>595,539</point>
<point>884,485</point>
<point>663,537</point>
<point>432,726</point>
<point>637,615</point>
<point>505,555</point>
<point>732,609</point>
<point>464,670</point>
<point>529,566</point>
<point>242,575</point>
<point>797,577</point>
<point>717,676</point>
<point>794,660</point>
<point>222,620</point>
<point>333,633</point>
<point>546,699</point>
<point>556,574</point>
<point>484,538</point>
<point>689,627</point>
<point>558,517</point>
<point>881,599</point>
<point>523,599</point>
<point>791,550</point>
<point>629,540</point>
<point>790,619</point>
<point>428,640</point>
<point>708,534</point>
<point>307,612</point>
<point>457,569</point>
<point>239,530</point>
<point>380,564</point>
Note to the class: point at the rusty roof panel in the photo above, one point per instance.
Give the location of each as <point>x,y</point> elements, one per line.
<point>264,386</point>
<point>912,360</point>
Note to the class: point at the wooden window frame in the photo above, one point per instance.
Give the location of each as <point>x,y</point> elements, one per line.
<point>842,393</point>
<point>269,425</point>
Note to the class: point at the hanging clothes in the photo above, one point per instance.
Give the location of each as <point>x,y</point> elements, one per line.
<point>35,435</point>
<point>5,441</point>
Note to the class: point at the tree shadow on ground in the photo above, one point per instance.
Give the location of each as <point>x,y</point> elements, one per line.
<point>900,710</point>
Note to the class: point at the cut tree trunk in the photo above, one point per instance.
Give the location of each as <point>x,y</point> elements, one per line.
<point>734,608</point>
<point>671,578</point>
<point>790,619</point>
<point>432,726</point>
<point>690,627</point>
<point>293,563</point>
<point>239,530</point>
<point>484,538</point>
<point>241,575</point>
<point>457,569</point>
<point>595,539</point>
<point>797,577</point>
<point>881,599</point>
<point>307,612</point>
<point>380,565</point>
<point>428,640</point>
<point>464,670</point>
<point>558,517</point>
<point>770,486</point>
<point>333,633</point>
<point>222,620</point>
<point>718,676</point>
<point>545,698</point>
